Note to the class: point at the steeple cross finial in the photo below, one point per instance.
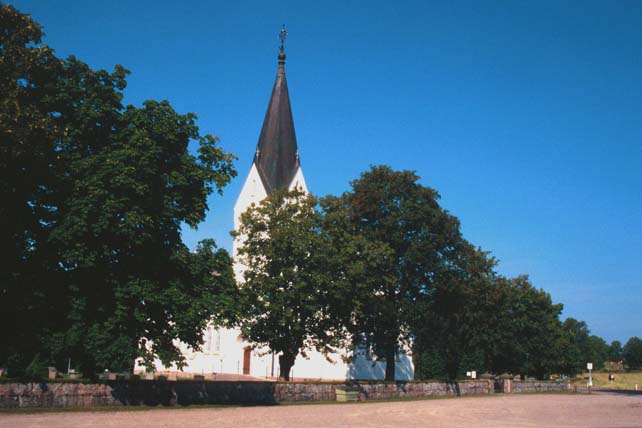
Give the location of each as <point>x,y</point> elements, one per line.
<point>282,36</point>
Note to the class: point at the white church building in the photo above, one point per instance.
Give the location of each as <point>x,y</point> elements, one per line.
<point>276,165</point>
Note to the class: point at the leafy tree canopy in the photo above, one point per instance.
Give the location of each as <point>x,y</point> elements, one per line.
<point>615,351</point>
<point>633,353</point>
<point>288,301</point>
<point>96,193</point>
<point>409,245</point>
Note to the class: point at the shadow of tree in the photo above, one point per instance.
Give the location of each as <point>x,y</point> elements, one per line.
<point>188,392</point>
<point>370,369</point>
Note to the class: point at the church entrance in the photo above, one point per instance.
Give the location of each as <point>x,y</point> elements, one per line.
<point>247,353</point>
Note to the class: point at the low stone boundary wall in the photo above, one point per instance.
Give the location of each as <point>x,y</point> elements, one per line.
<point>526,386</point>
<point>286,392</point>
<point>384,391</point>
<point>133,393</point>
<point>25,395</point>
<point>379,390</point>
<point>184,392</point>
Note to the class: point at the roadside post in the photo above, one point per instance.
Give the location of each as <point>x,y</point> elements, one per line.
<point>589,366</point>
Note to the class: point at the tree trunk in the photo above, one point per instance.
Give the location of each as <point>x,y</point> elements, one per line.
<point>391,360</point>
<point>453,360</point>
<point>87,368</point>
<point>488,361</point>
<point>286,361</point>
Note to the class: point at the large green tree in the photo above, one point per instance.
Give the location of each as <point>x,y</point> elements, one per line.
<point>488,322</point>
<point>633,353</point>
<point>288,300</point>
<point>456,328</point>
<point>29,166</point>
<point>597,351</point>
<point>578,347</point>
<point>533,330</point>
<point>615,351</point>
<point>413,244</point>
<point>573,345</point>
<point>96,195</point>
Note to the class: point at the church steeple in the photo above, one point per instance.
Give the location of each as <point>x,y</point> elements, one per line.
<point>276,157</point>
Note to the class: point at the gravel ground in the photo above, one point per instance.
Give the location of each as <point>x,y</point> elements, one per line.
<point>515,411</point>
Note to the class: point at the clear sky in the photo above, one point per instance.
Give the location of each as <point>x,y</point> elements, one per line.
<point>525,115</point>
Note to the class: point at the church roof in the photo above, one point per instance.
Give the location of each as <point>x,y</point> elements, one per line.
<point>277,157</point>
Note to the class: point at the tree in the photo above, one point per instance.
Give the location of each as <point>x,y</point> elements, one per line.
<point>130,275</point>
<point>579,347</point>
<point>288,300</point>
<point>633,353</point>
<point>28,162</point>
<point>96,196</point>
<point>615,351</point>
<point>528,329</point>
<point>455,330</point>
<point>597,351</point>
<point>574,344</point>
<point>536,328</point>
<point>415,242</point>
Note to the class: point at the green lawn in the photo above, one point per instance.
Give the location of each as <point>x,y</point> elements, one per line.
<point>623,380</point>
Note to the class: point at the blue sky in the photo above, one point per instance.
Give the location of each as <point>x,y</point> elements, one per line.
<point>526,116</point>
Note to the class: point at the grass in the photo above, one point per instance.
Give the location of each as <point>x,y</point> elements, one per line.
<point>623,380</point>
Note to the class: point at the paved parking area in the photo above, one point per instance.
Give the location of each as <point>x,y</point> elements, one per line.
<point>515,411</point>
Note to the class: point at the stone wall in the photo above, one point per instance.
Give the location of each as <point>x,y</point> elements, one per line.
<point>22,395</point>
<point>379,390</point>
<point>385,391</point>
<point>182,393</point>
<point>133,393</point>
<point>287,392</point>
<point>527,386</point>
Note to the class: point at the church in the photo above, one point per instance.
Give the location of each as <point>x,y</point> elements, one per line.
<point>276,165</point>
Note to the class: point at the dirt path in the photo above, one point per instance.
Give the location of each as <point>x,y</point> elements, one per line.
<point>554,410</point>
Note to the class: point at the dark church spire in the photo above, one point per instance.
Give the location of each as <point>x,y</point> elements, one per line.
<point>277,157</point>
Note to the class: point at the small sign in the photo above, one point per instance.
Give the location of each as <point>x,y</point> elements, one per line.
<point>589,366</point>
<point>468,374</point>
<point>473,374</point>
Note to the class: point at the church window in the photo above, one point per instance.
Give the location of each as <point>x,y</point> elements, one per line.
<point>217,344</point>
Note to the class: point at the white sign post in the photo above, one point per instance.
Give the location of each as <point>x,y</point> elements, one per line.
<point>589,366</point>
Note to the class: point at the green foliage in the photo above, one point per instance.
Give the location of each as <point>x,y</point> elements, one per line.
<point>578,347</point>
<point>429,361</point>
<point>288,301</point>
<point>534,329</point>
<point>95,195</point>
<point>615,351</point>
<point>458,320</point>
<point>28,131</point>
<point>518,327</point>
<point>574,335</point>
<point>402,244</point>
<point>633,353</point>
<point>37,368</point>
<point>597,351</point>
<point>410,279</point>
